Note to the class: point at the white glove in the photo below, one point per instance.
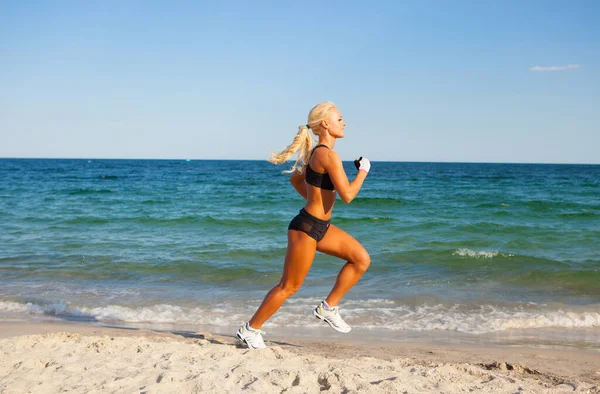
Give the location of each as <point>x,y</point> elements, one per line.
<point>362,163</point>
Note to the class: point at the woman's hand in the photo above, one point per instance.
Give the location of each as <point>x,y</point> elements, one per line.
<point>362,163</point>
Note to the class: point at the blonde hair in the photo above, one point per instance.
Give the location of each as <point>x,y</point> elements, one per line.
<point>303,141</point>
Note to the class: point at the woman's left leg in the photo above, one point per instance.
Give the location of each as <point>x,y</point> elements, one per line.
<point>299,257</point>
<point>339,243</point>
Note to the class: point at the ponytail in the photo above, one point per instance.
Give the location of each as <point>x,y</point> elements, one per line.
<point>303,141</point>
<point>302,144</point>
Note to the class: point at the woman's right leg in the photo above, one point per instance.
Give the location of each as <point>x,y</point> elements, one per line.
<point>300,254</point>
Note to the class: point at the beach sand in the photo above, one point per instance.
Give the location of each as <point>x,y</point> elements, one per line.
<point>80,358</point>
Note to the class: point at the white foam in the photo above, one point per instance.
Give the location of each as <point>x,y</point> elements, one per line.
<point>12,307</point>
<point>486,319</point>
<point>381,314</point>
<point>477,254</point>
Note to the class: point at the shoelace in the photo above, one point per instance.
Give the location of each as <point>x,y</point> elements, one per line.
<point>256,331</point>
<point>337,319</point>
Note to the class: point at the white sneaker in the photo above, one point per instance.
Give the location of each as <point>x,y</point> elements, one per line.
<point>332,318</point>
<point>251,337</point>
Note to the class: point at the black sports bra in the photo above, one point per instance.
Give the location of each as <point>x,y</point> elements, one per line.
<point>322,181</point>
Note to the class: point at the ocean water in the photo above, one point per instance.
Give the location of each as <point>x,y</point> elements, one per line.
<point>469,248</point>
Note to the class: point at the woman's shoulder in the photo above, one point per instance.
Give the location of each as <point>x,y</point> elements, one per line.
<point>324,159</point>
<point>321,153</point>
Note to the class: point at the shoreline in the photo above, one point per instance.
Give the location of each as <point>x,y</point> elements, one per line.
<point>574,338</point>
<point>533,368</point>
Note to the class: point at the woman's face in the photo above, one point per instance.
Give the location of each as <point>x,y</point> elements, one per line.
<point>335,124</point>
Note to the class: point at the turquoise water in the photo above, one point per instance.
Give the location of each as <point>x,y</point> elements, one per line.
<point>474,248</point>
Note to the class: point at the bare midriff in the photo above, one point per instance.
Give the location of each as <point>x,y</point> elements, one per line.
<point>319,202</point>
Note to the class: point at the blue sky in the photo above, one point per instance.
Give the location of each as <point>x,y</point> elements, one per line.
<point>466,81</point>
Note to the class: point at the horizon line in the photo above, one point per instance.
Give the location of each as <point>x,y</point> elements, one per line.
<point>350,160</point>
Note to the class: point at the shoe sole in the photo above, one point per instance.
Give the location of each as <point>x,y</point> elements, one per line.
<point>321,317</point>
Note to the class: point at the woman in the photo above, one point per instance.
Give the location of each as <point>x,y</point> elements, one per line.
<point>317,175</point>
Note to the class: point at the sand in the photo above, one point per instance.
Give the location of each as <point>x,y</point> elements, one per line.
<point>54,358</point>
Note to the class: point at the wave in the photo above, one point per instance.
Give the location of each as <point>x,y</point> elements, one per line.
<point>380,314</point>
<point>364,219</point>
<point>86,191</point>
<point>35,219</point>
<point>493,205</point>
<point>444,256</point>
<point>422,226</point>
<point>498,228</point>
<point>208,268</point>
<point>86,220</point>
<point>155,202</point>
<point>478,254</point>
<point>547,206</point>
<point>380,201</point>
<point>582,281</point>
<point>540,206</point>
<point>240,223</point>
<point>206,220</point>
<point>579,215</point>
<point>249,182</point>
<point>492,265</point>
<point>188,219</point>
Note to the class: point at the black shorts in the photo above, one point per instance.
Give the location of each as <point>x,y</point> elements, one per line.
<point>305,222</point>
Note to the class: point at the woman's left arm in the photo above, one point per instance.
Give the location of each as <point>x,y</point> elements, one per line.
<point>297,180</point>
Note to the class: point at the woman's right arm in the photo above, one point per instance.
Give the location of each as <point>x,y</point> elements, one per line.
<point>297,180</point>
<point>345,189</point>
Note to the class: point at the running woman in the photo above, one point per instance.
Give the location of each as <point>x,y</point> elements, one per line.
<point>317,175</point>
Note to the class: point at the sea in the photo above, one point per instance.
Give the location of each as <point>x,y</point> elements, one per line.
<point>458,250</point>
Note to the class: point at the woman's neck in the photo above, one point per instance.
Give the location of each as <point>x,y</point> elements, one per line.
<point>329,141</point>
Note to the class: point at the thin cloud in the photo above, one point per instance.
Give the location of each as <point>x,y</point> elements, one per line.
<point>555,68</point>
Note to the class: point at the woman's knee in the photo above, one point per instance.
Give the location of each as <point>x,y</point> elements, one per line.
<point>361,260</point>
<point>289,288</point>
